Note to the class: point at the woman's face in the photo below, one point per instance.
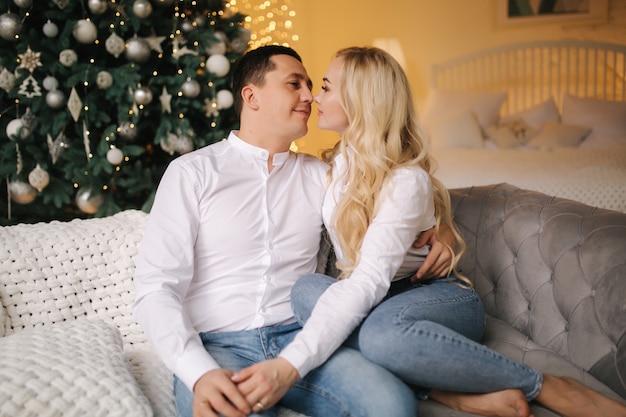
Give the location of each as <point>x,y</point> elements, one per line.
<point>329,111</point>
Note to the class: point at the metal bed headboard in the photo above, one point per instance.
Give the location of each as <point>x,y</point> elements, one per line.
<point>532,72</point>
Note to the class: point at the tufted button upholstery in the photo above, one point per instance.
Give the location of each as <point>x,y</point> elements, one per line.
<point>554,271</point>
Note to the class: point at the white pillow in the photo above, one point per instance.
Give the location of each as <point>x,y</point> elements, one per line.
<point>605,118</point>
<point>460,130</point>
<point>536,116</point>
<point>441,105</point>
<point>557,135</point>
<point>75,368</point>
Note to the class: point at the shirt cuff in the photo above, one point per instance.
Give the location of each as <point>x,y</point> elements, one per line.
<point>193,364</point>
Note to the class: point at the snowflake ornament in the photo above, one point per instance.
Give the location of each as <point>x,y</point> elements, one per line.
<point>30,60</point>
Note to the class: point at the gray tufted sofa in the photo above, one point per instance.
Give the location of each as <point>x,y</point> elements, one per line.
<point>552,274</point>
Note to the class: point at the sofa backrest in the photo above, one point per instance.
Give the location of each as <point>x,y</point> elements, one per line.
<point>59,271</point>
<point>552,268</point>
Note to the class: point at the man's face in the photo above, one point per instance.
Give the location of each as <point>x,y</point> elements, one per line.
<point>285,98</point>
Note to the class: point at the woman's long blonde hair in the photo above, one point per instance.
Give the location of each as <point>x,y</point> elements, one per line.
<point>383,134</point>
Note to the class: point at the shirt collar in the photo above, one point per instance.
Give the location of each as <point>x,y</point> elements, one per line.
<point>255,151</point>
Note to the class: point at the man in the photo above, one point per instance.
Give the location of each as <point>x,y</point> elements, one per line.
<point>233,226</point>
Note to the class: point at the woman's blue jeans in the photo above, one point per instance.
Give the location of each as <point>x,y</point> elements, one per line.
<point>428,334</point>
<point>345,385</point>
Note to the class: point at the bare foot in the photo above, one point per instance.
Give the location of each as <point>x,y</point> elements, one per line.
<point>570,398</point>
<point>506,403</point>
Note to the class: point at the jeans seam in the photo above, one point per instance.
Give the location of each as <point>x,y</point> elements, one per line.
<point>327,395</point>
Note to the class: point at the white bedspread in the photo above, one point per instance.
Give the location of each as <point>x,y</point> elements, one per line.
<point>594,176</point>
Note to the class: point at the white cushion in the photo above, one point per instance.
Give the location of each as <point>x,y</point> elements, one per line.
<point>557,135</point>
<point>536,116</point>
<point>605,118</point>
<point>441,105</point>
<point>457,131</point>
<point>75,368</point>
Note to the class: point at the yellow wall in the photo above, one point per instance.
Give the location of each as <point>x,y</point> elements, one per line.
<point>430,31</point>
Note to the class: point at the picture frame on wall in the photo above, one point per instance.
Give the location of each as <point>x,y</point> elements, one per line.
<point>525,12</point>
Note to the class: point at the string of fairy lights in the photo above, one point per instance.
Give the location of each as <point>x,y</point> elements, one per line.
<point>269,21</point>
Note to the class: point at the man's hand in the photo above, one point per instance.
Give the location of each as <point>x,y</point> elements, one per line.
<point>216,394</point>
<point>438,260</point>
<point>265,383</point>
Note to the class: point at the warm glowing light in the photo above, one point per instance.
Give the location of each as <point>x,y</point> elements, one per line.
<point>270,21</point>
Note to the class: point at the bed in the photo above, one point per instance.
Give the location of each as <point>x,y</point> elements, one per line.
<point>546,116</point>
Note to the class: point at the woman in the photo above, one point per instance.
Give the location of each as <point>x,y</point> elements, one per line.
<point>381,195</point>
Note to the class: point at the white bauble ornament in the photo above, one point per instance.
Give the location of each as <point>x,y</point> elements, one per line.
<point>142,8</point>
<point>10,26</point>
<point>39,178</point>
<point>50,29</point>
<point>50,83</point>
<point>225,99</point>
<point>85,31</point>
<point>55,99</point>
<point>187,26</point>
<point>137,49</point>
<point>128,130</point>
<point>104,80</point>
<point>68,57</point>
<point>16,129</point>
<point>191,88</point>
<point>24,4</point>
<point>142,95</point>
<point>115,156</point>
<point>88,200</point>
<point>218,64</point>
<point>98,6</point>
<point>22,192</point>
<point>115,45</point>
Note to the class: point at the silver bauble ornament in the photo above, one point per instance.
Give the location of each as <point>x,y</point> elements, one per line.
<point>55,99</point>
<point>10,26</point>
<point>224,99</point>
<point>142,8</point>
<point>128,130</point>
<point>50,29</point>
<point>24,4</point>
<point>68,57</point>
<point>98,6</point>
<point>16,130</point>
<point>85,31</point>
<point>50,83</point>
<point>22,192</point>
<point>137,49</point>
<point>115,45</point>
<point>115,156</point>
<point>218,64</point>
<point>191,88</point>
<point>88,200</point>
<point>219,47</point>
<point>241,42</point>
<point>187,26</point>
<point>142,95</point>
<point>104,80</point>
<point>39,178</point>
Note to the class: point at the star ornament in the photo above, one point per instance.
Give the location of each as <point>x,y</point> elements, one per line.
<point>30,60</point>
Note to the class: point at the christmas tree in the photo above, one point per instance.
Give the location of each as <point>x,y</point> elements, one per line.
<point>98,96</point>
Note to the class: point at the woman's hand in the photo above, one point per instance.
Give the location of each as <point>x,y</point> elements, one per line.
<point>438,261</point>
<point>265,383</point>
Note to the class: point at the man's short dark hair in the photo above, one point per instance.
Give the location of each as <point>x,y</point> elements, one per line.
<point>253,66</point>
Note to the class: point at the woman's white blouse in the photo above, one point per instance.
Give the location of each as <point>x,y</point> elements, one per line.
<point>406,208</point>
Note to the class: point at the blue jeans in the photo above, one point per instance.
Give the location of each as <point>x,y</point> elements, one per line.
<point>428,335</point>
<point>346,385</point>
